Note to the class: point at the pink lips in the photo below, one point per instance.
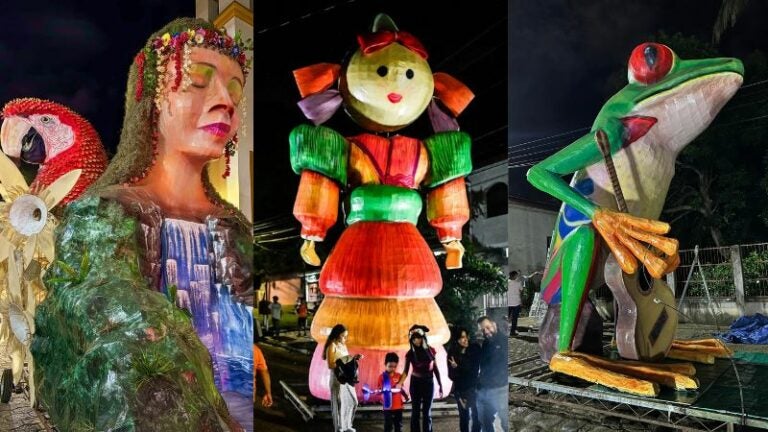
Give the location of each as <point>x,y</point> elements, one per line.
<point>394,97</point>
<point>217,129</point>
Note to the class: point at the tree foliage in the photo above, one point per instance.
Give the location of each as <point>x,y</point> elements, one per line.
<point>461,287</point>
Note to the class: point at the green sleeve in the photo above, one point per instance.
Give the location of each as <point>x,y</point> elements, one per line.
<point>110,353</point>
<point>450,157</point>
<point>320,149</point>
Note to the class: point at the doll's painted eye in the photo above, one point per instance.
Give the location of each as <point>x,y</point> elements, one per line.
<point>382,71</point>
<point>409,74</point>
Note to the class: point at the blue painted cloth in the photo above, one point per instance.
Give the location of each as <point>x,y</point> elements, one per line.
<point>751,329</point>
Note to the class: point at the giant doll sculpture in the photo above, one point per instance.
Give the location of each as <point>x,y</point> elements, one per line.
<point>623,169</point>
<point>381,278</point>
<point>113,351</point>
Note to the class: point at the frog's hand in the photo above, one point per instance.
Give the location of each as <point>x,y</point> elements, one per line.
<point>624,233</point>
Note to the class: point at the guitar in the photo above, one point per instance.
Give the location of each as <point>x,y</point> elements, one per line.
<point>645,321</point>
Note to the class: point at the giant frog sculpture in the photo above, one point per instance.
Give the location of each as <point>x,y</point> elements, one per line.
<point>609,220</point>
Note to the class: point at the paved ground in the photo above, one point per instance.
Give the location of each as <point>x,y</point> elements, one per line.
<point>17,415</point>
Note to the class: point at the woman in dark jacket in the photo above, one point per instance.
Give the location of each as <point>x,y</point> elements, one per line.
<point>463,369</point>
<point>421,357</point>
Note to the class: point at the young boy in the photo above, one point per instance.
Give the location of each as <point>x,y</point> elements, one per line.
<point>393,414</point>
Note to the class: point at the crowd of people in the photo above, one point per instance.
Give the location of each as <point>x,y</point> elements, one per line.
<point>477,367</point>
<point>478,371</point>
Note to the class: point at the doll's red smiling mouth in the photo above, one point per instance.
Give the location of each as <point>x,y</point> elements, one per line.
<point>217,129</point>
<point>394,97</point>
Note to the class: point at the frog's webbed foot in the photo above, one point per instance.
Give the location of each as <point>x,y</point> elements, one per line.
<point>633,377</point>
<point>632,238</point>
<point>699,350</point>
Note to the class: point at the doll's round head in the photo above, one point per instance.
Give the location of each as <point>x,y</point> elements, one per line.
<point>387,83</point>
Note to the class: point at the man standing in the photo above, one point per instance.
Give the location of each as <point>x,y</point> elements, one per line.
<point>514,287</point>
<point>492,384</point>
<point>277,313</point>
<point>264,310</point>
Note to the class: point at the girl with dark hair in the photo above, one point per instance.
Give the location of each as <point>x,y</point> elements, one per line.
<point>422,357</point>
<point>343,395</point>
<point>463,369</point>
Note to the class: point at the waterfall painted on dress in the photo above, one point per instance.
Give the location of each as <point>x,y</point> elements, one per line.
<point>225,327</point>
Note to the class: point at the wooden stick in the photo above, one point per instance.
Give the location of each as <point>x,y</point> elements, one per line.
<point>580,368</point>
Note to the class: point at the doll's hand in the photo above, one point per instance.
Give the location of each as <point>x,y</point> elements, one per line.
<point>454,253</point>
<point>308,253</point>
<point>628,237</point>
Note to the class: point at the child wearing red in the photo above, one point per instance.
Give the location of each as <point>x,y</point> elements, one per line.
<point>393,415</point>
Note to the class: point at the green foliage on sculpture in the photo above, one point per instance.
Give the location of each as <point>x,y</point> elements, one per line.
<point>461,287</point>
<point>103,336</point>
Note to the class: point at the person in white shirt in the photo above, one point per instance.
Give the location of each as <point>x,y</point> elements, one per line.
<point>514,286</point>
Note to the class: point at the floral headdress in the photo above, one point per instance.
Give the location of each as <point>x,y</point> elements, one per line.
<point>138,143</point>
<point>178,46</point>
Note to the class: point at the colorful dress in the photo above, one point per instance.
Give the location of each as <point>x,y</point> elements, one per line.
<point>381,277</point>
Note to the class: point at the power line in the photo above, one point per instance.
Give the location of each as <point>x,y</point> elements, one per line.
<point>470,42</point>
<point>551,136</point>
<point>304,17</point>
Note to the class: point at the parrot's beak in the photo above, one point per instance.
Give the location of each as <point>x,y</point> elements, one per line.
<point>11,134</point>
<point>19,140</point>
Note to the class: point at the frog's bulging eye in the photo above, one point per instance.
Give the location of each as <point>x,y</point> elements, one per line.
<point>382,71</point>
<point>649,63</point>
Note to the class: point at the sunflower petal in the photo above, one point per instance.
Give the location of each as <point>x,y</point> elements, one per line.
<point>60,188</point>
<point>10,176</point>
<point>29,250</point>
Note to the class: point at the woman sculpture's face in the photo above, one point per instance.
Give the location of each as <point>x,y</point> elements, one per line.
<point>200,120</point>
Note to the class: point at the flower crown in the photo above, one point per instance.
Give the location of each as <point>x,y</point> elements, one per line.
<point>178,46</point>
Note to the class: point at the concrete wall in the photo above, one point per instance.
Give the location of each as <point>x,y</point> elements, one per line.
<point>528,229</point>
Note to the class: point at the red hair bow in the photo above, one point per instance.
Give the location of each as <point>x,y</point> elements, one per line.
<point>375,41</point>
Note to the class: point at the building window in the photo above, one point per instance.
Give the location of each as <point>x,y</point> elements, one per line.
<point>496,200</point>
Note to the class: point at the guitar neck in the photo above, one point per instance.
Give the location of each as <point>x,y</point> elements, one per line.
<point>605,150</point>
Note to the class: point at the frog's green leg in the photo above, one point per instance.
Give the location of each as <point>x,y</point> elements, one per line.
<point>578,251</point>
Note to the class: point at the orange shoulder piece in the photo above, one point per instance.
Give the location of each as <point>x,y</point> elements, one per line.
<point>452,93</point>
<point>316,78</point>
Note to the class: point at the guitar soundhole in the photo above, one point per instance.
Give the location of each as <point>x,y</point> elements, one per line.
<point>658,326</point>
<point>645,282</point>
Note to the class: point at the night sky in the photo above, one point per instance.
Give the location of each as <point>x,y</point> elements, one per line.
<point>78,53</point>
<point>563,53</point>
<point>462,39</point>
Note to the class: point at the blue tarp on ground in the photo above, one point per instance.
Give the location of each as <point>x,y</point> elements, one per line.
<point>751,329</point>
